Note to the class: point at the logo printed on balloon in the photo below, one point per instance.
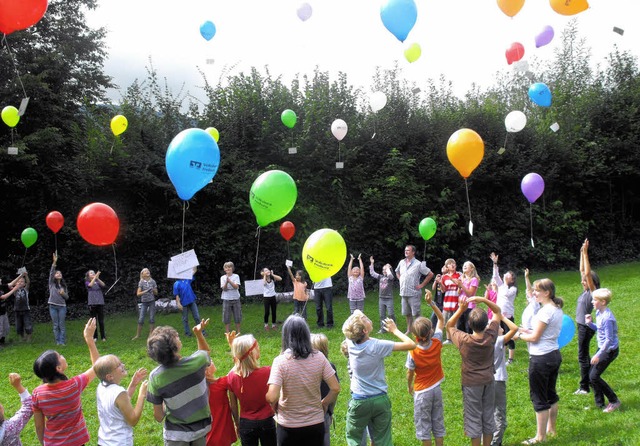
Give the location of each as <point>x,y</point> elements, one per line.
<point>324,254</point>
<point>399,16</point>
<point>119,124</point>
<point>540,94</point>
<point>98,224</point>
<point>287,230</point>
<point>28,237</point>
<point>54,221</point>
<point>510,7</point>
<point>304,12</point>
<point>272,196</point>
<point>515,121</point>
<point>465,150</point>
<point>208,30</point>
<point>532,186</point>
<point>10,116</point>
<point>339,129</point>
<point>569,7</point>
<point>20,14</point>
<point>427,228</point>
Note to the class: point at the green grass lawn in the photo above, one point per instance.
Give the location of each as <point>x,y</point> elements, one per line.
<point>579,423</point>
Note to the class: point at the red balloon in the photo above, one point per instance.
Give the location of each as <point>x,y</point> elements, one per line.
<point>20,14</point>
<point>55,221</point>
<point>514,53</point>
<point>98,224</point>
<point>287,230</point>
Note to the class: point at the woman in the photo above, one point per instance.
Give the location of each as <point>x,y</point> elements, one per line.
<point>590,282</point>
<point>545,358</point>
<point>294,387</point>
<point>58,295</point>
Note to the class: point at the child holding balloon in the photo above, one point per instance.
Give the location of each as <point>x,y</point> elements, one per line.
<point>95,300</point>
<point>58,295</point>
<point>19,287</point>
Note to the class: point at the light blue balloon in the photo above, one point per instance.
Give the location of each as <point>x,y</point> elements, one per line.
<point>192,161</point>
<point>399,16</point>
<point>208,30</point>
<point>566,332</point>
<point>540,94</point>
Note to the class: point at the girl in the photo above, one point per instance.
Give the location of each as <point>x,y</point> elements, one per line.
<point>491,294</point>
<point>590,282</point>
<point>507,291</point>
<point>223,432</point>
<point>10,429</point>
<point>468,284</point>
<point>147,292</point>
<point>385,293</point>
<point>269,296</point>
<point>300,295</point>
<point>320,342</point>
<point>96,300</point>
<point>356,293</point>
<point>19,287</point>
<point>57,406</point>
<point>58,295</point>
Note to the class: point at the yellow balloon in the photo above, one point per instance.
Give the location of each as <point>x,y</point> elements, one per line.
<point>119,124</point>
<point>324,254</point>
<point>10,116</point>
<point>213,132</point>
<point>510,7</point>
<point>569,7</point>
<point>465,150</point>
<point>413,52</point>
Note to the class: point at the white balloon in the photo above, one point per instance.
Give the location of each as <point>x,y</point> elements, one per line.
<point>377,101</point>
<point>515,121</point>
<point>339,129</point>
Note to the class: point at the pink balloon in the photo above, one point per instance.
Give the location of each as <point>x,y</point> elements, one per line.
<point>514,53</point>
<point>544,37</point>
<point>532,186</point>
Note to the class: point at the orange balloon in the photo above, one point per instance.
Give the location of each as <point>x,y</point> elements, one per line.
<point>465,150</point>
<point>510,7</point>
<point>569,7</point>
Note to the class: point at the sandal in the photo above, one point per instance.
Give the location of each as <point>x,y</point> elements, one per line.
<point>533,440</point>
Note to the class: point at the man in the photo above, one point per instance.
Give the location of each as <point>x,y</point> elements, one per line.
<point>323,294</point>
<point>408,273</point>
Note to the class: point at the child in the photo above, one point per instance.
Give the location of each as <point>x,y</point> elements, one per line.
<point>507,291</point>
<point>147,292</point>
<point>95,300</point>
<point>344,349</point>
<point>476,351</point>
<point>116,414</point>
<point>57,406</point>
<point>186,301</point>
<point>424,363</point>
<point>532,306</point>
<point>500,377</point>
<point>269,297</point>
<point>356,294</point>
<point>10,429</point>
<point>223,432</point>
<point>370,404</point>
<point>320,342</point>
<point>590,282</point>
<point>438,297</point>
<point>608,348</point>
<point>491,294</point>
<point>177,387</point>
<point>385,293</point>
<point>58,295</point>
<point>230,284</point>
<point>300,295</point>
<point>248,386</point>
<point>468,285</point>
<point>19,287</point>
<point>451,291</point>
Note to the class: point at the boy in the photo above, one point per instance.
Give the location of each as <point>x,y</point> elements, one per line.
<point>230,284</point>
<point>449,281</point>
<point>178,388</point>
<point>476,351</point>
<point>186,301</point>
<point>425,364</point>
<point>500,377</point>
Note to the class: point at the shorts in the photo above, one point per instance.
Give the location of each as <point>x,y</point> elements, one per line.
<point>411,305</point>
<point>428,413</point>
<point>479,405</point>
<point>231,307</point>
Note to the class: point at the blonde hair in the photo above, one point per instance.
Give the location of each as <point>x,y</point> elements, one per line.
<point>245,355</point>
<point>602,294</point>
<point>229,264</point>
<point>353,327</point>
<point>474,271</point>
<point>448,261</point>
<point>143,270</point>
<point>422,329</point>
<point>105,365</point>
<point>320,342</point>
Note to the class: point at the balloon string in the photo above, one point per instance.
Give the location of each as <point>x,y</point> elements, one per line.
<point>531,218</point>
<point>466,186</point>
<point>184,204</point>
<point>115,263</point>
<point>255,266</point>
<point>24,257</point>
<point>505,140</point>
<point>375,120</point>
<point>15,66</point>
<point>288,250</point>
<point>424,252</point>
<point>112,145</point>
<point>12,129</point>
<point>339,156</point>
<point>55,242</point>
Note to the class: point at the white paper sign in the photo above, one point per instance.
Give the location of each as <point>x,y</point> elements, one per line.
<point>555,126</point>
<point>288,263</point>
<point>23,106</point>
<point>293,150</point>
<point>12,150</point>
<point>253,287</point>
<point>185,261</point>
<point>339,165</point>
<point>173,274</point>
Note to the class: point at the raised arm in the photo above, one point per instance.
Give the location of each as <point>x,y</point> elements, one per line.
<point>527,281</point>
<point>123,403</point>
<point>276,277</point>
<point>372,271</point>
<point>453,320</point>
<point>587,266</point>
<point>89,329</point>
<point>406,342</point>
<point>293,278</point>
<point>496,270</point>
<point>137,378</point>
<point>361,266</point>
<point>350,265</point>
<point>513,329</point>
<point>197,330</point>
<point>428,298</point>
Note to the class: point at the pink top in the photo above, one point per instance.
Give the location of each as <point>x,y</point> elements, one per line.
<point>10,430</point>
<point>493,297</point>
<point>356,288</point>
<point>468,283</point>
<point>300,291</point>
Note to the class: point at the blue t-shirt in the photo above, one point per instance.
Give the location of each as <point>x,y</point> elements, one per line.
<point>366,362</point>
<point>182,288</point>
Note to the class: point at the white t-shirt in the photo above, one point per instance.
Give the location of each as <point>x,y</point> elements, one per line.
<point>229,292</point>
<point>114,430</point>
<point>548,342</point>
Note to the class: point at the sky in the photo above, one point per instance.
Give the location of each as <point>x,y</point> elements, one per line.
<point>464,40</point>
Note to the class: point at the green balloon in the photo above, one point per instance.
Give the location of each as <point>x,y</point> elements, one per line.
<point>289,118</point>
<point>29,237</point>
<point>427,228</point>
<point>413,53</point>
<point>273,194</point>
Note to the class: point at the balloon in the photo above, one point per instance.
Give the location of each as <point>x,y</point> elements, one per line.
<point>119,124</point>
<point>540,94</point>
<point>427,228</point>
<point>510,7</point>
<point>29,237</point>
<point>304,12</point>
<point>515,121</point>
<point>208,30</point>
<point>399,16</point>
<point>532,186</point>
<point>287,230</point>
<point>273,194</point>
<point>20,14</point>
<point>567,331</point>
<point>339,129</point>
<point>55,221</point>
<point>413,53</point>
<point>10,116</point>
<point>213,132</point>
<point>377,101</point>
<point>514,53</point>
<point>192,161</point>
<point>465,150</point>
<point>544,37</point>
<point>323,254</point>
<point>289,118</point>
<point>569,7</point>
<point>98,224</point>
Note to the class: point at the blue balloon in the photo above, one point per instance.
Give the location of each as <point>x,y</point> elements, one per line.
<point>208,30</point>
<point>540,94</point>
<point>192,161</point>
<point>399,16</point>
<point>567,331</point>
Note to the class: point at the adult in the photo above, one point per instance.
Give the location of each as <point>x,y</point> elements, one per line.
<point>408,273</point>
<point>323,295</point>
<point>58,295</point>
<point>590,282</point>
<point>545,358</point>
<point>294,386</point>
<point>507,291</point>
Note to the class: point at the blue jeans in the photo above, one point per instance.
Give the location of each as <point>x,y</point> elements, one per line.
<point>151,307</point>
<point>58,314</point>
<point>185,316</point>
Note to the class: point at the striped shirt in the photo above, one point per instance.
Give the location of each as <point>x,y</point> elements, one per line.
<point>451,292</point>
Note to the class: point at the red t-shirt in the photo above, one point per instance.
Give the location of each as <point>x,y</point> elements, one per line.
<point>451,293</point>
<point>251,392</point>
<point>223,432</point>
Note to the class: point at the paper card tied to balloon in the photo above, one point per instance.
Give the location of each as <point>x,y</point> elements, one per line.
<point>272,196</point>
<point>555,126</point>
<point>324,254</point>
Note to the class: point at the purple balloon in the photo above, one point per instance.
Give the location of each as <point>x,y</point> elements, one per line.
<point>532,186</point>
<point>304,12</point>
<point>544,37</point>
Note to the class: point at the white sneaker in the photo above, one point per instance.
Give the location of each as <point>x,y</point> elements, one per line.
<point>580,392</point>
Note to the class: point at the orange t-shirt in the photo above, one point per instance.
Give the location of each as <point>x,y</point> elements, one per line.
<point>428,365</point>
<point>300,291</point>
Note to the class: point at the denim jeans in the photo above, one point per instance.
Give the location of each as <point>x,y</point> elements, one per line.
<point>58,314</point>
<point>185,316</point>
<point>151,307</point>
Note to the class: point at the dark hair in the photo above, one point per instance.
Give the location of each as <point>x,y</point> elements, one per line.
<point>596,279</point>
<point>548,285</point>
<point>514,278</point>
<point>478,320</point>
<point>296,337</point>
<point>46,367</point>
<point>300,273</point>
<point>162,346</point>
